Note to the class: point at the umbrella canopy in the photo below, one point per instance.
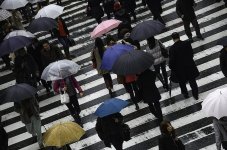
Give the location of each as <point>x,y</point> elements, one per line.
<point>222,41</point>
<point>50,11</point>
<point>104,27</point>
<point>14,43</point>
<point>110,106</point>
<point>13,4</point>
<point>4,14</point>
<point>17,93</point>
<point>215,104</point>
<point>146,29</point>
<point>60,70</point>
<point>42,24</point>
<point>62,134</point>
<point>112,53</point>
<point>132,62</point>
<point>19,33</point>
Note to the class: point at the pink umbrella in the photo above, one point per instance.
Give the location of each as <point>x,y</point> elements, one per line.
<point>104,27</point>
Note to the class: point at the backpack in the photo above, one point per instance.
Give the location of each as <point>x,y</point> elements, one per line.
<point>126,132</point>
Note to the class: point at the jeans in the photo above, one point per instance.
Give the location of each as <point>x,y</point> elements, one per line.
<point>65,43</point>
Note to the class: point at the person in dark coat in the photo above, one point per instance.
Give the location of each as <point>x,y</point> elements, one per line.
<point>109,130</point>
<point>25,69</point>
<point>168,139</point>
<point>3,138</point>
<point>223,60</point>
<point>183,66</point>
<point>130,6</point>
<point>185,10</point>
<point>96,10</point>
<point>108,7</point>
<point>121,14</point>
<point>150,93</point>
<point>156,9</point>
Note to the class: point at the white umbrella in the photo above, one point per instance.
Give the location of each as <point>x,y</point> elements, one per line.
<point>51,11</point>
<point>4,14</point>
<point>60,70</point>
<point>13,4</point>
<point>215,104</point>
<point>19,33</point>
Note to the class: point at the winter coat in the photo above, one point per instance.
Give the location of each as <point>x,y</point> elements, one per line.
<point>27,108</point>
<point>3,138</point>
<point>129,5</point>
<point>96,9</point>
<point>108,129</point>
<point>220,129</point>
<point>167,142</point>
<point>147,87</point>
<point>181,61</point>
<point>108,5</point>
<point>55,32</point>
<point>59,84</point>
<point>223,61</point>
<point>185,8</point>
<point>25,69</point>
<point>156,53</point>
<point>51,55</point>
<point>154,6</point>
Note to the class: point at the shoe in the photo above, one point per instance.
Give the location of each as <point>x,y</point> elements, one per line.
<point>137,107</point>
<point>196,97</point>
<point>200,37</point>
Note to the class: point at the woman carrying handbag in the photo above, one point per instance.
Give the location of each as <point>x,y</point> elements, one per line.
<point>69,86</point>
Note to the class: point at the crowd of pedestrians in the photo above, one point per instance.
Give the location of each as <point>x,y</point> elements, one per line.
<point>29,63</point>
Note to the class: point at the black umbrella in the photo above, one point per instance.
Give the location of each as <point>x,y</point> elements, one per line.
<point>42,24</point>
<point>17,93</point>
<point>222,41</point>
<point>132,62</point>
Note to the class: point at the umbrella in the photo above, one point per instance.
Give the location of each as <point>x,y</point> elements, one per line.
<point>215,104</point>
<point>132,62</point>
<point>4,14</point>
<point>19,33</point>
<point>50,11</point>
<point>13,4</point>
<point>110,106</point>
<point>104,27</point>
<point>60,70</point>
<point>112,53</point>
<point>42,24</point>
<point>222,41</point>
<point>14,43</point>
<point>146,29</point>
<point>18,92</point>
<point>63,133</point>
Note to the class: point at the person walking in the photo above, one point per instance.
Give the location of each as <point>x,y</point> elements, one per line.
<point>3,138</point>
<point>29,113</point>
<point>109,130</point>
<point>69,85</point>
<point>168,139</point>
<point>150,93</point>
<point>223,60</point>
<point>220,130</point>
<point>96,10</point>
<point>185,10</point>
<point>154,48</point>
<point>130,6</point>
<point>108,7</point>
<point>183,66</point>
<point>156,9</point>
<point>96,57</point>
<point>121,14</point>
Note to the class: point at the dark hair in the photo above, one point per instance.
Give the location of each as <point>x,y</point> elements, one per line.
<point>45,41</point>
<point>163,128</point>
<point>151,42</point>
<point>109,38</point>
<point>175,35</point>
<point>100,45</point>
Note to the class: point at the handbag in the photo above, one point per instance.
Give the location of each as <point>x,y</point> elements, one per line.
<point>64,98</point>
<point>164,51</point>
<point>71,42</point>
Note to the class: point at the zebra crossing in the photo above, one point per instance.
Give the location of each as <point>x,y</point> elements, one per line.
<point>192,127</point>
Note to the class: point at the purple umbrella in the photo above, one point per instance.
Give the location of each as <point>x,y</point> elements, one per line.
<point>14,43</point>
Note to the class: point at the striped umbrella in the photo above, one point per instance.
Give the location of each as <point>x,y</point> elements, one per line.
<point>4,14</point>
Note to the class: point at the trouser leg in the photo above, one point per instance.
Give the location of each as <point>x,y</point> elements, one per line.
<point>187,28</point>
<point>158,109</point>
<point>117,143</point>
<point>183,88</point>
<point>37,129</point>
<point>194,88</point>
<point>164,73</point>
<point>196,26</point>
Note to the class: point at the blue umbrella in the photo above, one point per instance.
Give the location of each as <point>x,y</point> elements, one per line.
<point>112,53</point>
<point>14,43</point>
<point>111,106</point>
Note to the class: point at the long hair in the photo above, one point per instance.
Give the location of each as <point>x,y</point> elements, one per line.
<point>151,42</point>
<point>163,127</point>
<point>100,45</point>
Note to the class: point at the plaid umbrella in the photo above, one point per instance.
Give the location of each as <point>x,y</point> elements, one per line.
<point>4,14</point>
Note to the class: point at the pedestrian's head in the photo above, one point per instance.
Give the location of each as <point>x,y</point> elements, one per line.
<point>110,40</point>
<point>126,35</point>
<point>46,45</point>
<point>175,36</point>
<point>117,6</point>
<point>166,127</point>
<point>151,42</point>
<point>20,52</point>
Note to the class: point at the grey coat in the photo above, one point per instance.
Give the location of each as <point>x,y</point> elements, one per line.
<point>220,128</point>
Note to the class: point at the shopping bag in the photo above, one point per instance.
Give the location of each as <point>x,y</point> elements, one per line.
<point>64,98</point>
